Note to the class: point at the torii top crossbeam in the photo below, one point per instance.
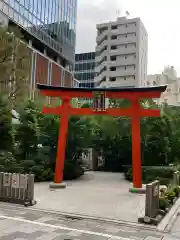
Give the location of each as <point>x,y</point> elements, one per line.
<point>135,111</point>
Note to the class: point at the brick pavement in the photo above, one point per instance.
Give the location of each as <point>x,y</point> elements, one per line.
<point>22,223</point>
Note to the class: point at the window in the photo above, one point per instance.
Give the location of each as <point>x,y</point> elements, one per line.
<point>124,78</point>
<point>125,45</point>
<point>113,47</point>
<point>125,68</point>
<point>112,79</point>
<point>114,27</point>
<point>126,26</point>
<point>113,37</point>
<point>134,77</point>
<point>125,57</point>
<point>113,69</point>
<point>113,58</point>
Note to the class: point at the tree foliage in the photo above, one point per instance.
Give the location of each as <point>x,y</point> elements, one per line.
<point>15,63</point>
<point>31,146</point>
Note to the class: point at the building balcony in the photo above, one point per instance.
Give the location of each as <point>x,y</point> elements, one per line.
<point>120,73</point>
<point>120,51</point>
<point>100,37</point>
<point>123,40</point>
<point>99,58</point>
<point>121,62</point>
<point>101,45</point>
<point>100,67</point>
<point>123,30</point>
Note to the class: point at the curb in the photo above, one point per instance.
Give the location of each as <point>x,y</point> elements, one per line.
<point>167,222</point>
<point>73,216</point>
<point>94,218</point>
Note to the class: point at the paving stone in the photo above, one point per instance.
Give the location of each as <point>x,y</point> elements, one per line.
<point>62,231</point>
<point>31,216</point>
<point>85,236</point>
<point>75,234</point>
<point>45,218</point>
<point>53,222</point>
<point>112,229</point>
<point>153,238</point>
<point>27,236</point>
<point>49,236</point>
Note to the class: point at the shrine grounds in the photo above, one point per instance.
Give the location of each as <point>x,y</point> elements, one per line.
<point>97,195</point>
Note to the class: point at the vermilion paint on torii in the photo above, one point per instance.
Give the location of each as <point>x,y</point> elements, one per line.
<point>135,112</point>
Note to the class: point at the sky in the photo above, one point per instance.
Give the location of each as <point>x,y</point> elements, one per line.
<point>160,17</point>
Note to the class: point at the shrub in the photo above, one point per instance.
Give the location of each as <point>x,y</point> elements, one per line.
<point>177,191</point>
<point>72,170</point>
<point>170,194</point>
<point>128,174</point>
<point>163,203</point>
<point>149,174</point>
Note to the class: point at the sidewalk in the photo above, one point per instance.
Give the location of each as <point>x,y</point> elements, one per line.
<point>175,230</point>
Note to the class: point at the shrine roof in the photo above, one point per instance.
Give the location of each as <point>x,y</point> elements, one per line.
<point>118,89</point>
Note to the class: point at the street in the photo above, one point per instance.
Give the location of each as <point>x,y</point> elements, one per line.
<point>18,222</point>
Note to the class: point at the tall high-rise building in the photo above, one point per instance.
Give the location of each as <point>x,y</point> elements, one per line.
<point>49,30</point>
<point>85,69</point>
<point>121,53</point>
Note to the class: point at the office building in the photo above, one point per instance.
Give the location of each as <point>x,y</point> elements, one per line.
<point>168,77</point>
<point>121,53</point>
<point>48,28</point>
<point>85,69</point>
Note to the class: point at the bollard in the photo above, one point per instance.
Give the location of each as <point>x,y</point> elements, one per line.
<point>152,199</point>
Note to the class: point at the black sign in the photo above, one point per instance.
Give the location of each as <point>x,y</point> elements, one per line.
<point>99,101</point>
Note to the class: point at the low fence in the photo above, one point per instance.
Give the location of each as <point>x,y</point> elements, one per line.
<point>17,188</point>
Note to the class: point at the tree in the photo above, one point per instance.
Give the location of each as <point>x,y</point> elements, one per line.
<point>6,130</point>
<point>15,61</point>
<point>27,132</point>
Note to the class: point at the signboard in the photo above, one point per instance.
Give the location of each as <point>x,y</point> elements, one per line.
<point>23,181</point>
<point>99,101</point>
<point>15,180</point>
<point>6,180</point>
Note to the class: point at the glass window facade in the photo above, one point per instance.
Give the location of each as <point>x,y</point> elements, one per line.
<point>53,21</point>
<point>85,69</point>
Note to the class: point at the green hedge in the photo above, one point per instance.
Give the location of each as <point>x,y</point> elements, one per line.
<point>149,174</point>
<point>41,170</point>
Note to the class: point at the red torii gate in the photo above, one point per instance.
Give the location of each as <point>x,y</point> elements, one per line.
<point>135,111</point>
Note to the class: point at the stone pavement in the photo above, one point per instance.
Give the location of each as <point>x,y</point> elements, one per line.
<point>96,194</point>
<point>175,230</point>
<point>18,222</point>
